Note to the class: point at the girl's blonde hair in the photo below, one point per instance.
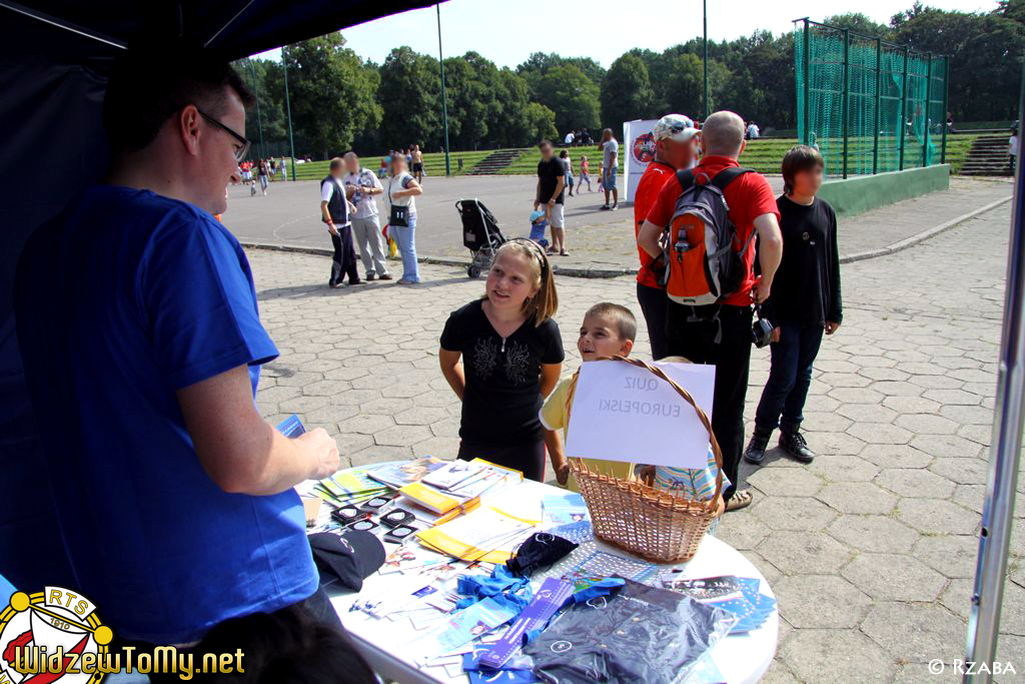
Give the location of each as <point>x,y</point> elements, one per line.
<point>545,302</point>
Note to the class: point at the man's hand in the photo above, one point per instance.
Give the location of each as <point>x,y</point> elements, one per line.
<point>537,203</point>
<point>331,229</point>
<point>831,327</point>
<point>325,449</point>
<point>761,290</point>
<point>775,335</point>
<point>551,202</point>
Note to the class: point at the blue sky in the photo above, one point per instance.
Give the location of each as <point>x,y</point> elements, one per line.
<point>507,32</point>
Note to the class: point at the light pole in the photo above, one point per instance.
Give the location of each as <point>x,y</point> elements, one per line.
<point>704,21</point>
<point>444,99</point>
<point>256,95</point>
<point>288,110</point>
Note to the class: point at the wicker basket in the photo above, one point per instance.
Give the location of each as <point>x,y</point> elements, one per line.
<point>645,521</point>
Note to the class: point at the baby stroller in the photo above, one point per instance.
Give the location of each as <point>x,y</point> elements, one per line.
<point>481,235</point>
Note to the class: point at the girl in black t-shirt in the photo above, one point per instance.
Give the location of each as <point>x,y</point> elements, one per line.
<point>502,354</point>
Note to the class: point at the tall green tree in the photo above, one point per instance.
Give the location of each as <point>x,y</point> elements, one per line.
<point>985,57</point>
<point>265,122</point>
<point>332,96</point>
<point>540,124</point>
<point>626,92</point>
<point>409,96</point>
<point>571,95</point>
<point>859,23</point>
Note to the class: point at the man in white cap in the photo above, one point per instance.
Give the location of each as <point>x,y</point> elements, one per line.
<point>676,148</point>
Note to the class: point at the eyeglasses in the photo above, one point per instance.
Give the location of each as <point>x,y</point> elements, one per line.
<point>244,143</point>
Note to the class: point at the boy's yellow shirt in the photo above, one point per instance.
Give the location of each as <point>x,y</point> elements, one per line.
<point>555,416</point>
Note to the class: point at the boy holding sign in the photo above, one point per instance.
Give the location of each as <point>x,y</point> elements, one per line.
<point>610,330</point>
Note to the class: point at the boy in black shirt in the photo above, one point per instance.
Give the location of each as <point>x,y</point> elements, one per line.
<point>805,302</point>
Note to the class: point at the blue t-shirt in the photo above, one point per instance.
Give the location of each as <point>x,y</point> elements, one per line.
<point>127,297</point>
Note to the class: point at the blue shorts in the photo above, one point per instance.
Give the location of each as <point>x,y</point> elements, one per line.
<point>609,181</point>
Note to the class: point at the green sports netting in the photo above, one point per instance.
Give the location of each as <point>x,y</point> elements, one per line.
<point>894,106</point>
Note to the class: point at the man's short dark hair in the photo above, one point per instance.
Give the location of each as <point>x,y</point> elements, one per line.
<point>155,80</point>
<point>545,141</point>
<point>800,158</point>
<point>336,164</point>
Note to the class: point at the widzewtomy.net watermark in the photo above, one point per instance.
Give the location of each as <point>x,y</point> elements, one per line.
<point>164,659</point>
<point>969,667</point>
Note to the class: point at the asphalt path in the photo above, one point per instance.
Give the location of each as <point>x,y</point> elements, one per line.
<point>290,214</point>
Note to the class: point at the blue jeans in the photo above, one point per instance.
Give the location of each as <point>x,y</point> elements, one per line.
<point>405,238</point>
<point>783,398</point>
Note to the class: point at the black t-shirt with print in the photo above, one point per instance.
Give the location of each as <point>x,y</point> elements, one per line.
<point>549,173</point>
<point>503,376</point>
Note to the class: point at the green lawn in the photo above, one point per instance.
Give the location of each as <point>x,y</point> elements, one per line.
<point>763,155</point>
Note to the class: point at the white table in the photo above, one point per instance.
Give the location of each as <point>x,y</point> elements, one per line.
<point>742,659</point>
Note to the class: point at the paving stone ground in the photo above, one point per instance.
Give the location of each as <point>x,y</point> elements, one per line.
<point>870,549</point>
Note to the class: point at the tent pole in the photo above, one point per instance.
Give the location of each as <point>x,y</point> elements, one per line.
<point>288,110</point>
<point>1004,452</point>
<point>61,23</point>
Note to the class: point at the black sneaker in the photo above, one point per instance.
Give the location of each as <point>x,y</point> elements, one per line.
<point>371,276</point>
<point>794,444</point>
<point>755,452</point>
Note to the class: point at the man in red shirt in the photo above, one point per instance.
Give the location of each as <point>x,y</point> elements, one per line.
<point>720,333</point>
<point>676,147</point>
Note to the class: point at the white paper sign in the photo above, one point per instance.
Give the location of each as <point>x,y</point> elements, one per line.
<point>638,149</point>
<point>624,413</point>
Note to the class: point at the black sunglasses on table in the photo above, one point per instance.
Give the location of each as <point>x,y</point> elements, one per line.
<point>240,152</point>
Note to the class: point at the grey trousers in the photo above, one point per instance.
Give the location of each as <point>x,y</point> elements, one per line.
<point>367,234</point>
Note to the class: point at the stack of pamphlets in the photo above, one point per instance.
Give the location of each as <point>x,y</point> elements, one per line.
<point>345,487</point>
<point>398,475</point>
<point>486,535</point>
<point>458,487</point>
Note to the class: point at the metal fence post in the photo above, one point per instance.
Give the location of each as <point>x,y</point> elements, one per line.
<point>807,85</point>
<point>928,107</point>
<point>846,101</point>
<point>879,108</point>
<point>946,103</point>
<point>288,110</point>
<point>903,110</point>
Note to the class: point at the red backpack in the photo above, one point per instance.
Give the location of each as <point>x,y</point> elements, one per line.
<point>704,259</point>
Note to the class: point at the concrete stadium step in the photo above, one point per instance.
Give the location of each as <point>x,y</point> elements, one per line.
<point>987,157</point>
<point>494,162</point>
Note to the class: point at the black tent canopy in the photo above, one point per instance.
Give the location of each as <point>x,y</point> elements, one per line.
<point>54,58</point>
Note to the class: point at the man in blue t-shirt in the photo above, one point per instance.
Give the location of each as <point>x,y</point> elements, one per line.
<point>137,321</point>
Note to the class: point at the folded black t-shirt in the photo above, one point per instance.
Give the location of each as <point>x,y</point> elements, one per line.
<point>503,376</point>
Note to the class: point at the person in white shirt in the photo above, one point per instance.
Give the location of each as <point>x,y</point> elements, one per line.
<point>402,189</point>
<point>362,188</point>
<point>1012,149</point>
<point>610,159</point>
<point>569,138</point>
<point>752,130</point>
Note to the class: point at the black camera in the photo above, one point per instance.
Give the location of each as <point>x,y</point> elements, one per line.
<point>761,331</point>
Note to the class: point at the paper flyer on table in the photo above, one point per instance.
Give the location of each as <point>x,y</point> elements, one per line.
<point>460,628</point>
<point>625,413</point>
<point>486,534</point>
